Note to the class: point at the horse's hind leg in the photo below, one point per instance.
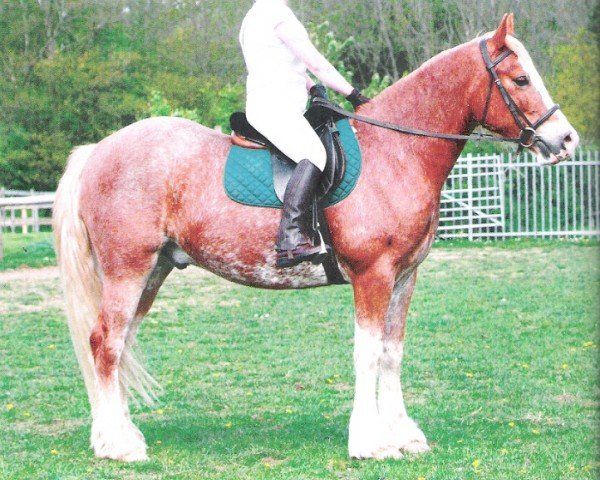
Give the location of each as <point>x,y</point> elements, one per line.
<point>405,434</point>
<point>129,366</point>
<point>113,433</point>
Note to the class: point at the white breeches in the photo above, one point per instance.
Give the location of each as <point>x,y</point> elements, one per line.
<point>288,130</point>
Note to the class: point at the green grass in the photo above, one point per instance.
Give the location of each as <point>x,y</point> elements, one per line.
<point>31,250</point>
<point>500,371</point>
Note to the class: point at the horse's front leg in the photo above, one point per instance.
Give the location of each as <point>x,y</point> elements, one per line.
<point>379,427</point>
<point>405,434</point>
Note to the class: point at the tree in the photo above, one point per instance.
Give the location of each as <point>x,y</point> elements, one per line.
<point>575,83</point>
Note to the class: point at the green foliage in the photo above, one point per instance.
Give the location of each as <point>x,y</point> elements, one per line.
<point>73,72</point>
<point>70,100</point>
<point>158,106</point>
<point>335,50</point>
<point>39,164</point>
<point>485,148</point>
<point>576,65</point>
<point>218,105</point>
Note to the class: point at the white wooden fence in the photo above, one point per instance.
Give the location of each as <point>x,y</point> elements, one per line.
<point>25,210</point>
<point>500,196</point>
<point>22,209</point>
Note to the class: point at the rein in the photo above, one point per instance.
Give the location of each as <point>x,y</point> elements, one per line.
<point>526,138</point>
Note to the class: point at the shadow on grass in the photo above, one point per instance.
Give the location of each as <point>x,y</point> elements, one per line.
<point>247,437</point>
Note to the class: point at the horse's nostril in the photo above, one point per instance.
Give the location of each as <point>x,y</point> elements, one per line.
<point>566,141</point>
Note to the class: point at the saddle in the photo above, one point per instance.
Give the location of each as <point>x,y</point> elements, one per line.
<point>323,122</point>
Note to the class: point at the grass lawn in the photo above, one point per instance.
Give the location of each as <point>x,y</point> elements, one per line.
<point>500,371</point>
<point>31,250</point>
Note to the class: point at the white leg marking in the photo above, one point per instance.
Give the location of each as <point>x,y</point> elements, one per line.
<point>368,437</point>
<point>113,433</point>
<point>404,433</point>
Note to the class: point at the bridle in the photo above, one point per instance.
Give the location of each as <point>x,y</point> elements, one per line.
<point>527,137</point>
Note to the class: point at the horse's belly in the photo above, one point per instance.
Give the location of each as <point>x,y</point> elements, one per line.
<point>237,242</point>
<point>266,275</point>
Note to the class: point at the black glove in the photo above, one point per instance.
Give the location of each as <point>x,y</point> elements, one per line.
<point>357,99</point>
<point>318,91</point>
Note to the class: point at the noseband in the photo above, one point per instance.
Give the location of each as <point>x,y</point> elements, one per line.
<point>528,135</point>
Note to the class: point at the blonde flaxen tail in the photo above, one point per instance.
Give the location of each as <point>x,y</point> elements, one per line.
<point>82,283</point>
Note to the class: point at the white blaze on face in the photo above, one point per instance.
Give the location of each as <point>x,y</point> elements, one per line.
<point>556,131</point>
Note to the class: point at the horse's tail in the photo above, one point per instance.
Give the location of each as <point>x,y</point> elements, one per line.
<point>82,283</point>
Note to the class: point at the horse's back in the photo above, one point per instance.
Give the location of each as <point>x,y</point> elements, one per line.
<point>133,179</point>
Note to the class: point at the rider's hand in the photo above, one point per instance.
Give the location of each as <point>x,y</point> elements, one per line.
<point>318,91</point>
<point>356,98</point>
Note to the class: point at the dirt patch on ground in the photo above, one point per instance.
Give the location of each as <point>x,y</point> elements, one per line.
<point>479,253</point>
<point>29,290</point>
<point>50,273</point>
<point>45,273</point>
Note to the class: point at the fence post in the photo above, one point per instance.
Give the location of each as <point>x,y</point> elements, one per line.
<point>502,184</point>
<point>24,229</point>
<point>35,214</point>
<point>470,195</point>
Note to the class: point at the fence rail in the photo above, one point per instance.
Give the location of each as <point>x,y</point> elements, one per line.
<point>19,212</point>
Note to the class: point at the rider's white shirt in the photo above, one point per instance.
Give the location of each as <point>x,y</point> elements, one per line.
<point>276,93</point>
<point>274,71</point>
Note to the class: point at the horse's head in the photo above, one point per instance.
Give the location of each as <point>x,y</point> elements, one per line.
<point>518,104</point>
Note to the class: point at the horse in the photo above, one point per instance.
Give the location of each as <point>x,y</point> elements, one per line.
<point>158,183</point>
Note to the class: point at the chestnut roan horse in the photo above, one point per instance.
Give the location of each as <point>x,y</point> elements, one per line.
<point>159,182</point>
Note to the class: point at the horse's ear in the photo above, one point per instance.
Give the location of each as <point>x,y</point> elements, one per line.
<point>510,27</point>
<point>499,39</point>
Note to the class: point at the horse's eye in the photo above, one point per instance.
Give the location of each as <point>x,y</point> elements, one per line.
<point>522,81</point>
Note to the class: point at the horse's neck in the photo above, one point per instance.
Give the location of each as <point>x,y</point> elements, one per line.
<point>436,98</point>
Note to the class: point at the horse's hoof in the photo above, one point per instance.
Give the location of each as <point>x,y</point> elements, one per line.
<point>378,453</point>
<point>135,454</point>
<point>369,438</point>
<point>408,437</point>
<point>388,453</point>
<point>415,447</point>
<point>124,442</point>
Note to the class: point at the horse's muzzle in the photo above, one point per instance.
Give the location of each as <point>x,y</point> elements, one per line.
<point>550,151</point>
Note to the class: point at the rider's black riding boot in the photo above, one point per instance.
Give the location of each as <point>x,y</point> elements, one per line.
<point>294,242</point>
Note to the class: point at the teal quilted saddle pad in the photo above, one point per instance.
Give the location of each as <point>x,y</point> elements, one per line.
<point>249,176</point>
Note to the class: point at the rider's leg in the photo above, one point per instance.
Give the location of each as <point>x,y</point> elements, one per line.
<point>294,136</point>
<point>294,239</point>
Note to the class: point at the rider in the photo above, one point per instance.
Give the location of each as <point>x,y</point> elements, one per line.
<point>278,51</point>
